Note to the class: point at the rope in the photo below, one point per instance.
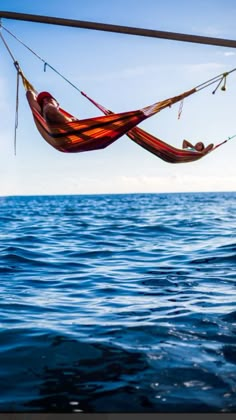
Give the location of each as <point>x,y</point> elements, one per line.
<point>16,64</point>
<point>219,78</point>
<point>225,141</point>
<point>41,59</point>
<point>17,108</point>
<point>8,49</point>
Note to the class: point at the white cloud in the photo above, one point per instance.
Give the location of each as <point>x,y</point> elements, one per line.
<point>229,53</point>
<point>38,184</point>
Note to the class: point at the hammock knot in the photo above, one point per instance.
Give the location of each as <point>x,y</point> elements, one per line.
<point>17,66</point>
<point>224,79</point>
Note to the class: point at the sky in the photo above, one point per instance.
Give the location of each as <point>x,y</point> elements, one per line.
<point>123,73</point>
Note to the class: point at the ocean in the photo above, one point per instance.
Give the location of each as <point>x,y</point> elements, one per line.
<point>118,303</point>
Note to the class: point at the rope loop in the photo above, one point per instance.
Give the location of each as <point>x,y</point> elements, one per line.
<point>17,66</point>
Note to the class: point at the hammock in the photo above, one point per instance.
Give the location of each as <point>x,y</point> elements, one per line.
<point>93,133</point>
<point>156,146</point>
<point>99,132</point>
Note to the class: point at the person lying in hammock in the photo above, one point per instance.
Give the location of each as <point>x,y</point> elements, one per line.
<point>199,147</point>
<point>48,107</point>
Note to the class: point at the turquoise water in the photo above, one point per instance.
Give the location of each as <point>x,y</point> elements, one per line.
<point>118,303</point>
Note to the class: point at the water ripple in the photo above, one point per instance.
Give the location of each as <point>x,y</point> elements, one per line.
<point>121,303</point>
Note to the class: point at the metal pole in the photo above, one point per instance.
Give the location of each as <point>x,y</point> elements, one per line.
<point>120,29</point>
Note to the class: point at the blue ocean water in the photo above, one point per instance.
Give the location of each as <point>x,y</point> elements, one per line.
<point>118,303</point>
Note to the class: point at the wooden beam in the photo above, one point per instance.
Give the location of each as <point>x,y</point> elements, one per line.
<point>120,29</point>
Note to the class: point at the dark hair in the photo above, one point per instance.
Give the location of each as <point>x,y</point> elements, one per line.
<point>200,144</point>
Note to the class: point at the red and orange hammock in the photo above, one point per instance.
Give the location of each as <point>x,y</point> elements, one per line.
<point>157,146</point>
<point>99,132</point>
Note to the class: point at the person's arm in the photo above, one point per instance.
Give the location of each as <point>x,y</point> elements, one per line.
<point>187,144</point>
<point>208,148</point>
<point>53,115</point>
<point>31,96</point>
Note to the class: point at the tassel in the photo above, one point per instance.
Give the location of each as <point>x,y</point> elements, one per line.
<point>224,85</point>
<point>180,109</point>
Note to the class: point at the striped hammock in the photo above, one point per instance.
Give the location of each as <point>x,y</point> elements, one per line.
<point>94,133</point>
<point>157,146</point>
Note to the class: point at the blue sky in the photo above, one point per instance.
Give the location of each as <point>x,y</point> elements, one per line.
<point>122,72</point>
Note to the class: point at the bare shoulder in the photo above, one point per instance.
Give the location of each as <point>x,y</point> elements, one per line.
<point>31,97</point>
